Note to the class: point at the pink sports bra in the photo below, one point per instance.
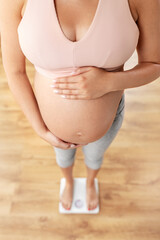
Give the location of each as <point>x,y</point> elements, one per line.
<point>108,43</point>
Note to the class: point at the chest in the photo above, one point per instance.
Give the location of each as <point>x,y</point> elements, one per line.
<point>75,17</point>
<point>54,35</point>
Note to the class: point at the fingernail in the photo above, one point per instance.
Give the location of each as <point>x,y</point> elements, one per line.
<point>72,145</point>
<point>52,85</point>
<point>75,70</point>
<point>63,96</point>
<point>56,91</point>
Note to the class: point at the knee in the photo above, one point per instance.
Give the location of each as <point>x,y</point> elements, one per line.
<point>65,158</point>
<point>94,160</point>
<point>64,162</point>
<point>94,163</point>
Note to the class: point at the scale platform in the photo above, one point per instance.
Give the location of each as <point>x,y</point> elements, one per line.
<point>79,197</point>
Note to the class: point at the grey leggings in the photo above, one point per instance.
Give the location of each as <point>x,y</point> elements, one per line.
<point>93,151</point>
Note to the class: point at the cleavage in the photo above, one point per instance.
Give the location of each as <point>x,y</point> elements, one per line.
<point>74,18</point>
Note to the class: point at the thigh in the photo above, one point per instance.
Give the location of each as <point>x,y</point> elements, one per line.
<point>64,153</point>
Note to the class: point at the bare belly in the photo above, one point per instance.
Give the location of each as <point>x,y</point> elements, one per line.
<point>75,121</point>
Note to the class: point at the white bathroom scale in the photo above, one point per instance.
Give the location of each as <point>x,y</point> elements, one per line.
<point>79,197</point>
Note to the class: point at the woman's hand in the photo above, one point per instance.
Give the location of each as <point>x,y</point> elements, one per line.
<point>86,83</point>
<point>49,137</point>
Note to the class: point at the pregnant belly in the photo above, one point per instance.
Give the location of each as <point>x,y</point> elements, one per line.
<point>75,121</point>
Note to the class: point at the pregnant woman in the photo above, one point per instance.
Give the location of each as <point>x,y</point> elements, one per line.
<point>78,49</point>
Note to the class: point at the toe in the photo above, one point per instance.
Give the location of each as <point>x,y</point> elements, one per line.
<point>68,206</point>
<point>91,206</point>
<point>64,205</point>
<point>87,204</point>
<point>95,205</point>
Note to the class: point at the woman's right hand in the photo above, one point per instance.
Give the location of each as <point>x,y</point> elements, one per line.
<point>55,141</point>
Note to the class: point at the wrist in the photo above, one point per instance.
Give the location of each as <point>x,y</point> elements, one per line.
<point>40,129</point>
<point>108,79</point>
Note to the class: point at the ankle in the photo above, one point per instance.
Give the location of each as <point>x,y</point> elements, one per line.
<point>90,182</point>
<point>69,183</point>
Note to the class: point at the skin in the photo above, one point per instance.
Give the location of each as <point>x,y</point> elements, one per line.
<point>80,130</point>
<point>79,118</point>
<point>148,53</point>
<point>92,198</point>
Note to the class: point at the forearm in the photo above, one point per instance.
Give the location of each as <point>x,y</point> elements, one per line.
<point>22,90</point>
<point>141,74</point>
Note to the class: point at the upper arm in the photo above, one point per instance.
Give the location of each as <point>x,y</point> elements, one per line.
<point>148,48</point>
<point>12,57</point>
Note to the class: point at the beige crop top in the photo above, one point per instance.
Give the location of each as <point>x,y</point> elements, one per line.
<point>108,43</point>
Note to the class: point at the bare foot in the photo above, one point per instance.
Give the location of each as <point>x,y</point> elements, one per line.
<point>91,197</point>
<point>67,195</point>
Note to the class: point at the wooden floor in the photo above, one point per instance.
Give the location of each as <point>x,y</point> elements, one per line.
<point>129,180</point>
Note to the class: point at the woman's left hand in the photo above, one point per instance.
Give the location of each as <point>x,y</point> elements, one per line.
<point>86,83</point>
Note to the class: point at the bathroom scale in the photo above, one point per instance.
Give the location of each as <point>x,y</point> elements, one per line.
<point>79,197</point>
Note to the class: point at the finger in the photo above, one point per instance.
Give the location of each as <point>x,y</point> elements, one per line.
<point>74,146</point>
<point>70,145</point>
<point>74,97</point>
<point>63,144</point>
<point>84,69</point>
<point>67,79</point>
<point>66,91</point>
<point>66,85</point>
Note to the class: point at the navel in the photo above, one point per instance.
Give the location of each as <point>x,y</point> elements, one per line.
<point>79,133</point>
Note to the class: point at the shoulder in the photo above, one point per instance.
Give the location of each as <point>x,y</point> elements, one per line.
<point>11,3</point>
<point>10,11</point>
<point>148,23</point>
<point>146,3</point>
<point>146,6</point>
<point>10,6</point>
<point>10,17</point>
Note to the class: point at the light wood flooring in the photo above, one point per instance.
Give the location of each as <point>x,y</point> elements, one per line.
<point>129,180</point>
